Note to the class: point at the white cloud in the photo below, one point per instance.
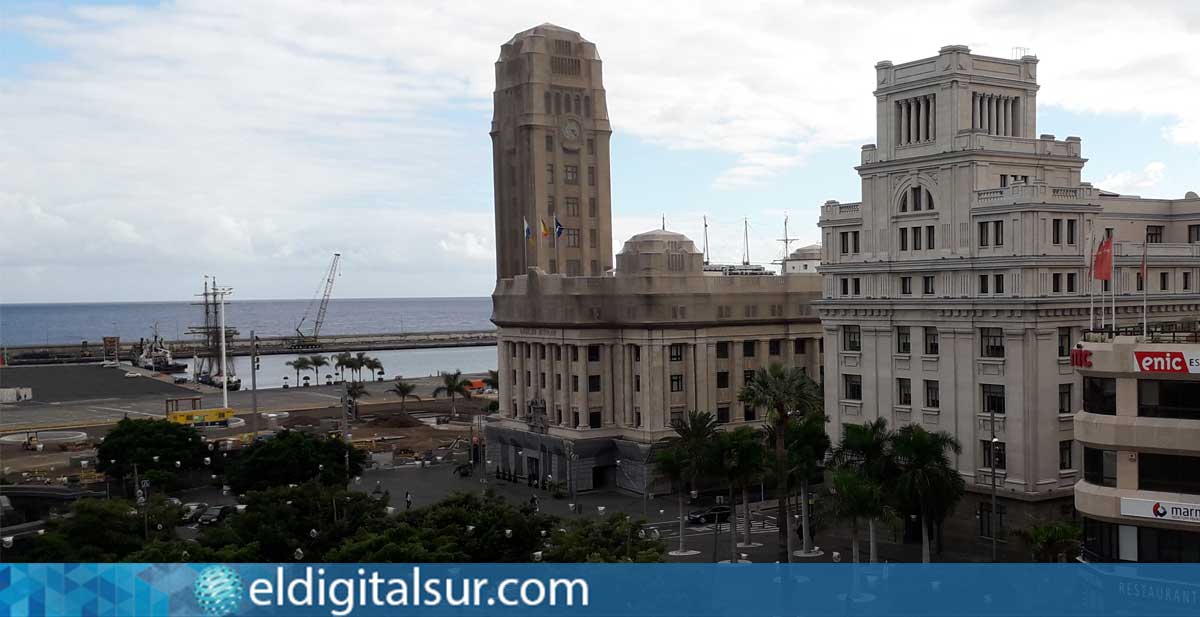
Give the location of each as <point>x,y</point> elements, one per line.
<point>1126,181</point>
<point>205,134</point>
<point>469,245</point>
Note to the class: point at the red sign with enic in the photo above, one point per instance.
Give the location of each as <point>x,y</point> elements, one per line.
<point>1166,362</point>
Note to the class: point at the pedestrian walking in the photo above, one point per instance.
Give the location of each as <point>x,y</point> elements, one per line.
<point>407,500</point>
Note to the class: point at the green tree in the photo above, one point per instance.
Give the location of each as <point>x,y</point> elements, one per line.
<point>151,445</point>
<point>453,385</point>
<point>404,390</point>
<point>101,530</point>
<point>867,449</point>
<point>687,455</point>
<point>671,461</point>
<point>299,364</point>
<point>927,483</point>
<point>1051,541</point>
<point>807,444</point>
<point>855,497</point>
<point>292,457</point>
<point>316,363</point>
<point>782,391</point>
<point>744,459</point>
<point>613,539</point>
<point>341,362</point>
<point>492,380</point>
<point>356,390</point>
<point>360,362</point>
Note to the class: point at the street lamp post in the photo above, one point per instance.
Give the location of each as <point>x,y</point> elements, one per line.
<point>994,527</point>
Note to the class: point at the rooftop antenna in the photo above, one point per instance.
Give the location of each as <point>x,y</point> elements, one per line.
<point>664,222</point>
<point>786,239</point>
<point>1020,52</point>
<point>746,241</point>
<point>706,240</point>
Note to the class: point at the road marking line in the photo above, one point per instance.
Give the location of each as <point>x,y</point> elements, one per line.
<point>140,413</point>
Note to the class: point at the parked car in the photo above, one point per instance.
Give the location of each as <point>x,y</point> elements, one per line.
<point>174,501</point>
<point>193,510</point>
<point>214,515</point>
<point>132,374</point>
<point>711,514</point>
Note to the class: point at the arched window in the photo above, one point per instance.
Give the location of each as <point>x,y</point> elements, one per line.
<point>546,102</point>
<point>916,198</point>
<point>904,201</point>
<point>587,106</point>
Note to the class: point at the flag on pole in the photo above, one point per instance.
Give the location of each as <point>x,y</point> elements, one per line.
<point>528,232</point>
<point>1145,281</point>
<point>545,230</point>
<point>558,227</point>
<point>1145,287</point>
<point>1102,262</point>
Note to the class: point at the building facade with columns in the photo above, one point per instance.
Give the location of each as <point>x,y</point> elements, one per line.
<point>955,290</point>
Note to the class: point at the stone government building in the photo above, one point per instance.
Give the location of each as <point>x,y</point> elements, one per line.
<point>959,284</point>
<point>594,363</point>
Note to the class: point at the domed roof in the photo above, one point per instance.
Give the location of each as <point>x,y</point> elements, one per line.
<point>659,251</point>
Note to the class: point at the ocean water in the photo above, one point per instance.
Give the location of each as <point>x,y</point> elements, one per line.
<point>34,324</point>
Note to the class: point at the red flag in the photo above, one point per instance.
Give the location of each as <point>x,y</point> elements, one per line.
<point>1103,261</point>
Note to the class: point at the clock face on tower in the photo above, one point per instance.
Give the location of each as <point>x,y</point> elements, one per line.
<point>571,130</point>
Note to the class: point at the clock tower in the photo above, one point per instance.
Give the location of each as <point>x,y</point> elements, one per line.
<point>550,139</point>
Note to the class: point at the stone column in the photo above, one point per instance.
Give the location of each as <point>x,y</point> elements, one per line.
<point>920,119</point>
<point>504,370</point>
<point>904,122</point>
<point>1016,115</point>
<point>627,395</point>
<point>580,399</point>
<point>707,371</point>
<point>611,381</point>
<point>522,389</point>
<point>932,116</point>
<point>690,386</point>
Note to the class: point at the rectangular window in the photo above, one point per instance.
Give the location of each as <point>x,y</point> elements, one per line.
<point>549,173</point>
<point>593,353</point>
<point>1100,467</point>
<point>983,283</point>
<point>931,341</point>
<point>916,238</point>
<point>989,524</point>
<point>591,176</point>
<point>906,285</point>
<point>903,391</point>
<point>1071,282</point>
<point>1064,342</point>
<point>542,380</point>
<point>558,381</point>
<point>992,340</point>
<point>574,383</point>
<point>857,286</point>
<point>1140,283</point>
<point>1193,234</point>
<point>1164,281</point>
<point>845,286</point>
<point>723,349</point>
<point>550,205</point>
<point>748,413</point>
<point>1056,287</point>
<point>853,387</point>
<point>676,351</point>
<point>1056,231</point>
<point>904,238</point>
<point>1064,455</point>
<point>983,234</point>
<point>1100,395</point>
<point>637,383</point>
<point>722,415</point>
<point>903,339</point>
<point>993,449</point>
<point>571,174</point>
<point>1154,234</point>
<point>851,338</point>
<point>854,241</point>
<point>572,206</point>
<point>1170,473</point>
<point>573,238</point>
<point>845,241</point>
<point>933,395</point>
<point>927,285</point>
<point>993,398</point>
<point>1187,280</point>
<point>1064,398</point>
<point>722,379</point>
<point>747,377</point>
<point>593,383</point>
<point>592,239</point>
<point>574,353</point>
<point>549,143</point>
<point>998,286</point>
<point>1169,399</point>
<point>998,236</point>
<point>676,383</point>
<point>799,347</point>
<point>1070,231</point>
<point>775,347</point>
<point>749,348</point>
<point>591,146</point>
<point>929,237</point>
<point>592,207</point>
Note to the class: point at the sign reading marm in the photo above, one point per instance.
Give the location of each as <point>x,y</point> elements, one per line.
<point>1161,510</point>
<point>1166,362</point>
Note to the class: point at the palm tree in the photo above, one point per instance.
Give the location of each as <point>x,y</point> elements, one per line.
<point>360,362</point>
<point>316,363</point>
<point>783,392</point>
<point>492,380</point>
<point>927,482</point>
<point>453,385</point>
<point>342,362</point>
<point>374,366</point>
<point>356,390</point>
<point>1051,541</point>
<point>404,390</point>
<point>300,364</point>
<point>854,496</point>
<point>807,443</point>
<point>867,448</point>
<point>743,458</point>
<point>688,454</point>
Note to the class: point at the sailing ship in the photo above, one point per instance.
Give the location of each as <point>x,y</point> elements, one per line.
<point>207,367</point>
<point>154,355</point>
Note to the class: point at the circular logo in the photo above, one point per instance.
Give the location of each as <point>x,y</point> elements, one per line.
<point>1159,510</point>
<point>218,590</point>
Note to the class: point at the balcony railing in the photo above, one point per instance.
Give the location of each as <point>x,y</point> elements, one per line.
<point>1036,193</point>
<point>1174,333</point>
<point>835,210</point>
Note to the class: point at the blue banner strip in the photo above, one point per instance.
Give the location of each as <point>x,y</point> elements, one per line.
<point>691,590</point>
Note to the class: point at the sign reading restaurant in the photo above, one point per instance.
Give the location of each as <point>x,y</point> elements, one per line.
<point>1161,510</point>
<point>1166,362</point>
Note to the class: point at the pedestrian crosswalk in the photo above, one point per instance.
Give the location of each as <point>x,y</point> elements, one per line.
<point>758,524</point>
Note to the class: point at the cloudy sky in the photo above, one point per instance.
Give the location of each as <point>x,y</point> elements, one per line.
<point>143,144</point>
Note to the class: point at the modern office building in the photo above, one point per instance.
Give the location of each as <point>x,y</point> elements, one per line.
<point>955,290</point>
<point>595,364</point>
<point>1140,436</point>
<point>550,135</point>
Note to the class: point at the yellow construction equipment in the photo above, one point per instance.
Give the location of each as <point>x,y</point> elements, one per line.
<point>195,415</point>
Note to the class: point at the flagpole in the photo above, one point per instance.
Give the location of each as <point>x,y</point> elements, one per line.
<point>1091,276</point>
<point>1145,290</point>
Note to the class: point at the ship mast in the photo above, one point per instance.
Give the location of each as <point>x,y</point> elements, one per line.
<point>706,240</point>
<point>745,241</point>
